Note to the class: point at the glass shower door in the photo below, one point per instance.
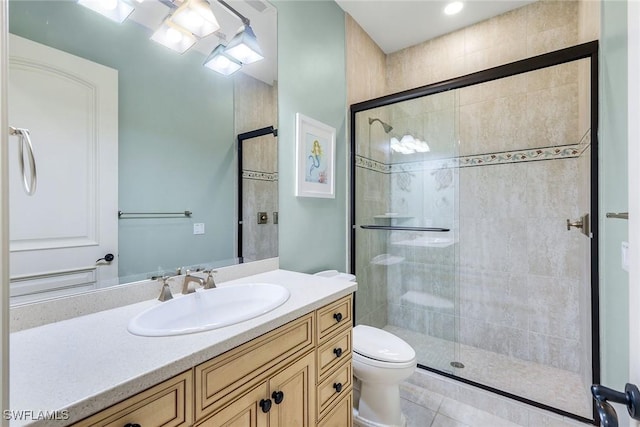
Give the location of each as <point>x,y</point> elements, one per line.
<point>406,204</point>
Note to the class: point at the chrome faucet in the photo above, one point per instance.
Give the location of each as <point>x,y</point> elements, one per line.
<point>186,289</point>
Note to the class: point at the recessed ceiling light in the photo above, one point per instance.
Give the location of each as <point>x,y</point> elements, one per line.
<point>453,8</point>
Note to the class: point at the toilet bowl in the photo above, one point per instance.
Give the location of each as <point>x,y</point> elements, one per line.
<point>381,361</point>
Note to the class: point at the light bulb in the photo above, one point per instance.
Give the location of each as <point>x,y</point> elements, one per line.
<point>173,35</point>
<point>193,19</point>
<point>453,8</point>
<point>109,4</point>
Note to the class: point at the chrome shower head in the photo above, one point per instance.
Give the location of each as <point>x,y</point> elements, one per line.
<point>387,127</point>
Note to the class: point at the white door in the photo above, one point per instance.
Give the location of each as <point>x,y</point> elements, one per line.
<point>70,107</point>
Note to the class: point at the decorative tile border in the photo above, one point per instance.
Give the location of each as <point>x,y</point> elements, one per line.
<point>373,165</point>
<point>259,176</point>
<point>504,157</point>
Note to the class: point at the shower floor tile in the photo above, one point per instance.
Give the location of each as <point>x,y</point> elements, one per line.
<point>551,386</point>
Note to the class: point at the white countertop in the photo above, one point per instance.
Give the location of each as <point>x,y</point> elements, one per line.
<point>85,364</point>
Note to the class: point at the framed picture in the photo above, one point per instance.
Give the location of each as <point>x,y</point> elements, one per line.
<point>315,158</point>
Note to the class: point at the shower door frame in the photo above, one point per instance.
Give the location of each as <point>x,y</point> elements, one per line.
<point>587,50</point>
<point>241,138</point>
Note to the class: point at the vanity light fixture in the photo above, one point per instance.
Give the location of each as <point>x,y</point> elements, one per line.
<point>174,37</point>
<point>219,61</point>
<point>116,10</point>
<point>453,8</point>
<point>244,46</point>
<point>196,16</point>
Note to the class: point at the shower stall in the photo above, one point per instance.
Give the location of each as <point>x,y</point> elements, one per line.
<point>474,226</point>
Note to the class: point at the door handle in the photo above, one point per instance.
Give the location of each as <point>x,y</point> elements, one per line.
<point>107,258</point>
<point>603,395</point>
<point>582,223</point>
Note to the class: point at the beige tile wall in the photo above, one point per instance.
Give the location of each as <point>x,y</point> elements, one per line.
<point>255,108</point>
<point>521,275</point>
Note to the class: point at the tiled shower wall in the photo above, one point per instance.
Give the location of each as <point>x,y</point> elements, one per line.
<point>510,301</point>
<point>256,107</point>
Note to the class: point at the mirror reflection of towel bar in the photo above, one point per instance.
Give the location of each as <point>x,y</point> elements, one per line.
<point>621,215</point>
<point>121,214</point>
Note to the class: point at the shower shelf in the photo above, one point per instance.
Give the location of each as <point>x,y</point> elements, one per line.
<point>402,228</point>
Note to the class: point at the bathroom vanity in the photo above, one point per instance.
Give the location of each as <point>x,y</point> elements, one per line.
<point>291,366</point>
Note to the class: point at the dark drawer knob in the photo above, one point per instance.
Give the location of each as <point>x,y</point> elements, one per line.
<point>337,351</point>
<point>337,316</point>
<point>132,425</point>
<point>265,405</point>
<point>278,397</point>
<point>338,387</point>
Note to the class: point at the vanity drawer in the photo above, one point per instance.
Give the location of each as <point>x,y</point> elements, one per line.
<point>221,380</point>
<point>332,353</point>
<point>334,388</point>
<point>334,316</point>
<point>168,404</point>
<point>341,415</point>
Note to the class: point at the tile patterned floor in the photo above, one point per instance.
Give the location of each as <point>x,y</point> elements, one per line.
<point>540,383</point>
<point>427,408</point>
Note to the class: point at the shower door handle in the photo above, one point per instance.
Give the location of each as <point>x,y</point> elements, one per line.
<point>582,223</point>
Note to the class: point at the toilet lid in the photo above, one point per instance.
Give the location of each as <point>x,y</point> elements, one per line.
<point>381,345</point>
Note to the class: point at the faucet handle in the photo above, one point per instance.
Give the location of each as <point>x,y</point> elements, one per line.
<point>209,283</point>
<point>165,292</point>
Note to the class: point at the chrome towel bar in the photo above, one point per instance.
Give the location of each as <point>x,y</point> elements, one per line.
<point>125,215</point>
<point>402,228</point>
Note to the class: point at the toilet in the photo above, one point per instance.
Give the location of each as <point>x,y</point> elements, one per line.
<point>381,361</point>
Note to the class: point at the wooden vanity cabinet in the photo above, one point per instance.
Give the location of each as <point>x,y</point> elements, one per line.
<point>168,404</point>
<point>298,375</point>
<point>334,371</point>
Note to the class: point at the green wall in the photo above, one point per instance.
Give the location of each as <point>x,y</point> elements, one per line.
<point>176,140</point>
<point>613,194</point>
<point>311,81</point>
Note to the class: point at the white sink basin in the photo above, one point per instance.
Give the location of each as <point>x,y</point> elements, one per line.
<point>209,309</point>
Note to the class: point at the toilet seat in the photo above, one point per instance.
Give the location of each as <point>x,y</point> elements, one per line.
<point>359,358</point>
<point>380,348</point>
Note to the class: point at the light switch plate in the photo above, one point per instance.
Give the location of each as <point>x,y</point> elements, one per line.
<point>625,256</point>
<point>198,228</point>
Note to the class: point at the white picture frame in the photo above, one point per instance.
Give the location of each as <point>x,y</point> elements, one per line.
<point>315,158</point>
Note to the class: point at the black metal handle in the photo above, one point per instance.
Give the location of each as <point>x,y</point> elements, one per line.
<point>338,387</point>
<point>132,425</point>
<point>630,398</point>
<point>265,404</point>
<point>108,258</point>
<point>337,352</point>
<point>278,397</point>
<point>337,316</point>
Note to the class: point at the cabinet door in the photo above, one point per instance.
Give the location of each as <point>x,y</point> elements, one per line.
<point>243,412</point>
<point>295,386</point>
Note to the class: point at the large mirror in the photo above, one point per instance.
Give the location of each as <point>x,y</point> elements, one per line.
<point>135,144</point>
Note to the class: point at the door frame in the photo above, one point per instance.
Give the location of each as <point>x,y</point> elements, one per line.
<point>4,214</point>
<point>587,50</point>
<point>633,147</point>
<point>241,138</point>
